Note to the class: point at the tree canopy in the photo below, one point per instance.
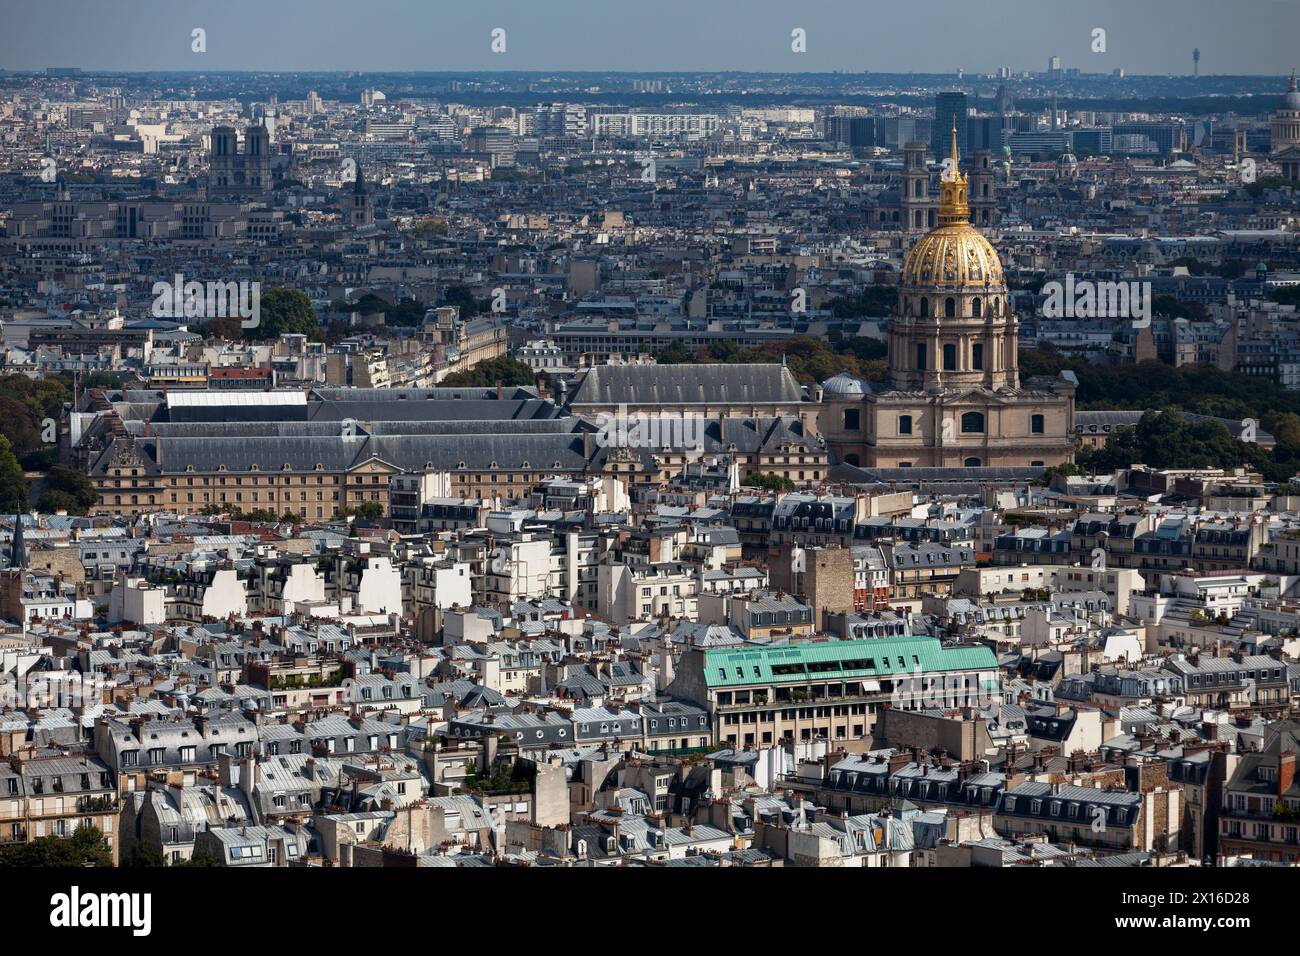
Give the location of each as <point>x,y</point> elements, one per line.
<point>13,486</point>
<point>488,372</point>
<point>85,847</point>
<point>285,312</point>
<point>67,489</point>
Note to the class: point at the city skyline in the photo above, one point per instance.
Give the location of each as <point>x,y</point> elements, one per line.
<point>1252,38</point>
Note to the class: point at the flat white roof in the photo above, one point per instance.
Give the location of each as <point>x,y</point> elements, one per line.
<point>235,397</point>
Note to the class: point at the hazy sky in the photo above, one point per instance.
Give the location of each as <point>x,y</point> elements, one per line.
<point>1143,36</point>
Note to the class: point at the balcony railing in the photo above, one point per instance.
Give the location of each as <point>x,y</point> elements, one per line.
<point>94,804</point>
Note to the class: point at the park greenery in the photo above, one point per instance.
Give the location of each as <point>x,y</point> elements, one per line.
<point>769,481</point>
<point>487,373</point>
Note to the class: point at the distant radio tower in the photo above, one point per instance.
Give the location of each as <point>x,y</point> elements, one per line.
<point>1196,62</point>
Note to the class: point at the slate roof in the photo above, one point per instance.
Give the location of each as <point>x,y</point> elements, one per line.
<point>641,385</point>
<point>479,452</point>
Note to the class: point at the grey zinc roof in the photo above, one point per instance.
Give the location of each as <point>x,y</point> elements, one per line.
<point>408,452</point>
<point>432,410</point>
<point>687,385</point>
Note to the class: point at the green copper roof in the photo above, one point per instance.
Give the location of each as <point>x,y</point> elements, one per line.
<point>800,663</point>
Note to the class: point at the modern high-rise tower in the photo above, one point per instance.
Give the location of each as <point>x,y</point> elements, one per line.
<point>949,109</point>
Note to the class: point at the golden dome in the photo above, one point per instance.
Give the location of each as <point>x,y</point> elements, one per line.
<point>955,255</point>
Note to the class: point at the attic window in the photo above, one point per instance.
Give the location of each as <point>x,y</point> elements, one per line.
<point>460,465</point>
<point>286,467</point>
<point>319,466</point>
<point>254,468</point>
<point>523,464</point>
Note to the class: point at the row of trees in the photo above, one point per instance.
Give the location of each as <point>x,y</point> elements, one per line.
<point>809,359</point>
<point>484,374</point>
<point>289,311</point>
<point>30,413</point>
<point>1170,439</point>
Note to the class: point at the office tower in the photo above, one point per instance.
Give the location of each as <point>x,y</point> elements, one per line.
<point>985,132</point>
<point>855,132</point>
<point>496,141</point>
<point>949,111</point>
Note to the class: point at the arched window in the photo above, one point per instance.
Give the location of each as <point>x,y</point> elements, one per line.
<point>997,306</point>
<point>972,423</point>
<point>950,307</point>
<point>971,463</point>
<point>1036,424</point>
<point>976,307</point>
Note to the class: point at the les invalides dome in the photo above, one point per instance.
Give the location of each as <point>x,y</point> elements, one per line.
<point>953,399</point>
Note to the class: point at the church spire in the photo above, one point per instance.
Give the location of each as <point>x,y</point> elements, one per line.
<point>17,549</point>
<point>953,207</point>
